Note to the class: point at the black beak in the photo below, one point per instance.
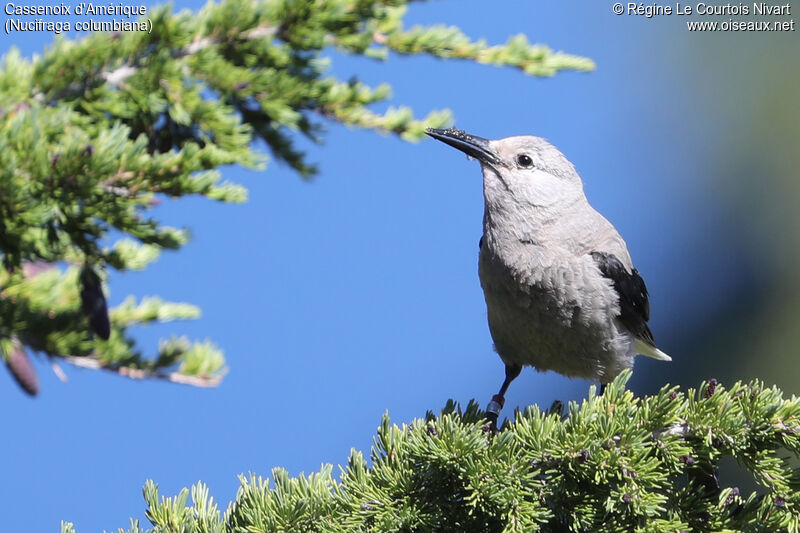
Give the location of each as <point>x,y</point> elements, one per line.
<point>471,145</point>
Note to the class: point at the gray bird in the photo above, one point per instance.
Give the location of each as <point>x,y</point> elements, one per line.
<point>560,288</point>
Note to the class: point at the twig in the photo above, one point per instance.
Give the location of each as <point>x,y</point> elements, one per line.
<point>58,371</point>
<point>681,429</point>
<point>141,373</point>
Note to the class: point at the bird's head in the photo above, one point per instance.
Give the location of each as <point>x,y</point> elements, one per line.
<point>525,173</point>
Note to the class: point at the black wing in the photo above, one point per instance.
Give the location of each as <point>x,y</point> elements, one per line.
<point>633,302</point>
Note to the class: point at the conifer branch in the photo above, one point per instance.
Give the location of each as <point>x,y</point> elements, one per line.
<point>95,132</point>
<point>118,75</point>
<point>613,463</point>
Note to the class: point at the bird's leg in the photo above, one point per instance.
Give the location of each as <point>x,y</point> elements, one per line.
<point>602,388</point>
<point>498,400</point>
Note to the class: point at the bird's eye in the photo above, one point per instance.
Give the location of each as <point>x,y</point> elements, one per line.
<point>524,160</point>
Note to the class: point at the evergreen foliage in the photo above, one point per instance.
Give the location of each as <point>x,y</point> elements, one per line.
<point>95,132</point>
<point>611,463</point>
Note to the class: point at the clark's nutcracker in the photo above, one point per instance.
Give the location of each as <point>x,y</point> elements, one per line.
<point>560,287</point>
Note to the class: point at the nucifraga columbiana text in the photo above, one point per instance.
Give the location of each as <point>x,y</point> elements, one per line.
<point>560,287</point>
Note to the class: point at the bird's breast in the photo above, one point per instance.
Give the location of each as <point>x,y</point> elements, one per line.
<point>551,311</point>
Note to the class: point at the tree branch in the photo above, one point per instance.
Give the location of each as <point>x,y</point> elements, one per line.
<point>140,373</point>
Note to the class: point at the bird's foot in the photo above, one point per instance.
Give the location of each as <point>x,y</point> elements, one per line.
<point>493,410</point>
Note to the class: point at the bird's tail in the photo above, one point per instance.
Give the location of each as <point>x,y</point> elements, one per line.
<point>649,350</point>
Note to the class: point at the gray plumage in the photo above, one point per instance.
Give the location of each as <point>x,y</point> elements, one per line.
<point>560,287</point>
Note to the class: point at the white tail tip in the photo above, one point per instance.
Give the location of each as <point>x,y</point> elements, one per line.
<point>651,351</point>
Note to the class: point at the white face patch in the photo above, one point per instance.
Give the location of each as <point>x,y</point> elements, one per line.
<point>545,190</point>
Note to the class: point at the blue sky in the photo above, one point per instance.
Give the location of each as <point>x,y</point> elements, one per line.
<point>338,299</point>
